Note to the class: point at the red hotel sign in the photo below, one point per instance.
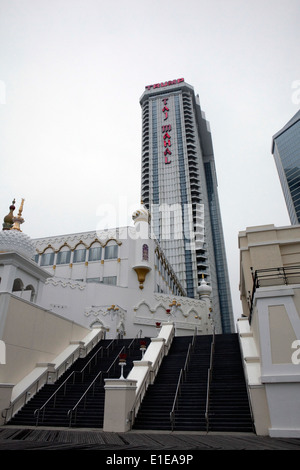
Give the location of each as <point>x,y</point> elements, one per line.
<point>166,128</point>
<point>162,84</point>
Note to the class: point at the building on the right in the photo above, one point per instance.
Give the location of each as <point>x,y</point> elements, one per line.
<point>286,152</point>
<point>269,330</point>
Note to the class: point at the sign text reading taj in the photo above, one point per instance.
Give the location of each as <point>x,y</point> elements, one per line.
<point>162,84</point>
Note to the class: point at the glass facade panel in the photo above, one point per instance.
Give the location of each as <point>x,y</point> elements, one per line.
<point>286,152</point>
<point>184,200</point>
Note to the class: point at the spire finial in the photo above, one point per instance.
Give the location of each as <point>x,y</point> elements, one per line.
<point>9,218</point>
<point>19,219</point>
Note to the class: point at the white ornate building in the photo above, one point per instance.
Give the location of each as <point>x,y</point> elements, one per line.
<point>119,279</point>
<point>110,283</point>
<point>84,287</point>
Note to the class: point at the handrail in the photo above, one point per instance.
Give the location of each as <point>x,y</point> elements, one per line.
<point>209,376</point>
<point>41,379</point>
<point>112,343</point>
<point>194,337</point>
<point>109,345</point>
<point>181,378</point>
<point>100,373</point>
<point>187,359</point>
<point>38,410</point>
<point>107,349</point>
<point>70,412</point>
<point>90,360</point>
<point>114,361</point>
<point>25,394</point>
<point>177,393</point>
<point>131,344</point>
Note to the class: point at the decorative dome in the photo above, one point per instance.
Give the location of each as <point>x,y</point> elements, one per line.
<point>17,242</point>
<point>204,288</point>
<point>141,215</point>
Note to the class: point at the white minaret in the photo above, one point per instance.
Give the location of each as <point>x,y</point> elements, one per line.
<point>142,266</point>
<point>204,291</point>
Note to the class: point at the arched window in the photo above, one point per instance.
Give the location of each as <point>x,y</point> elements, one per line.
<point>18,285</point>
<point>63,256</point>
<point>79,254</point>
<point>145,252</point>
<point>47,259</point>
<point>95,252</point>
<point>30,288</point>
<point>111,252</point>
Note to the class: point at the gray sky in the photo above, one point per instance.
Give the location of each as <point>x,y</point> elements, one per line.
<point>72,73</point>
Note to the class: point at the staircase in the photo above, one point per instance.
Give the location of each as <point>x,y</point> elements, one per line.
<point>188,360</point>
<point>90,411</point>
<point>154,412</point>
<point>191,404</point>
<point>229,408</point>
<point>228,400</point>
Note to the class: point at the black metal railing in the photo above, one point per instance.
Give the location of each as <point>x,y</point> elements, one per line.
<point>181,379</point>
<point>39,413</point>
<point>209,379</point>
<point>72,413</point>
<point>271,277</point>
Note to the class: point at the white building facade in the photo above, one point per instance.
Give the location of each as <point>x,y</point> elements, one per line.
<point>270,328</point>
<point>119,279</point>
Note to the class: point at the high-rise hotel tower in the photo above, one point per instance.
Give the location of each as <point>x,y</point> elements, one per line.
<point>179,188</point>
<point>286,152</point>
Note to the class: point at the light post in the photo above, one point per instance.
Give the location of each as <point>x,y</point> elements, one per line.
<point>143,347</point>
<point>122,363</point>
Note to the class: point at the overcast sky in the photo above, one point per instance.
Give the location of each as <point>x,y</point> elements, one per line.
<point>71,76</point>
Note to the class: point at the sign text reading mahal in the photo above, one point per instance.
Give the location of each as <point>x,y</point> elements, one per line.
<point>162,84</point>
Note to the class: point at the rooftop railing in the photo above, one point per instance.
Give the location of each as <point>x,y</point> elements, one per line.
<point>271,277</point>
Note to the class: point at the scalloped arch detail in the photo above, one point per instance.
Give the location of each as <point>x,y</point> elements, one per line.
<point>80,242</point>
<point>143,302</point>
<point>112,239</point>
<point>45,249</point>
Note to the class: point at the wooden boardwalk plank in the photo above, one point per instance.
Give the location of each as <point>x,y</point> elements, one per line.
<point>35,438</point>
